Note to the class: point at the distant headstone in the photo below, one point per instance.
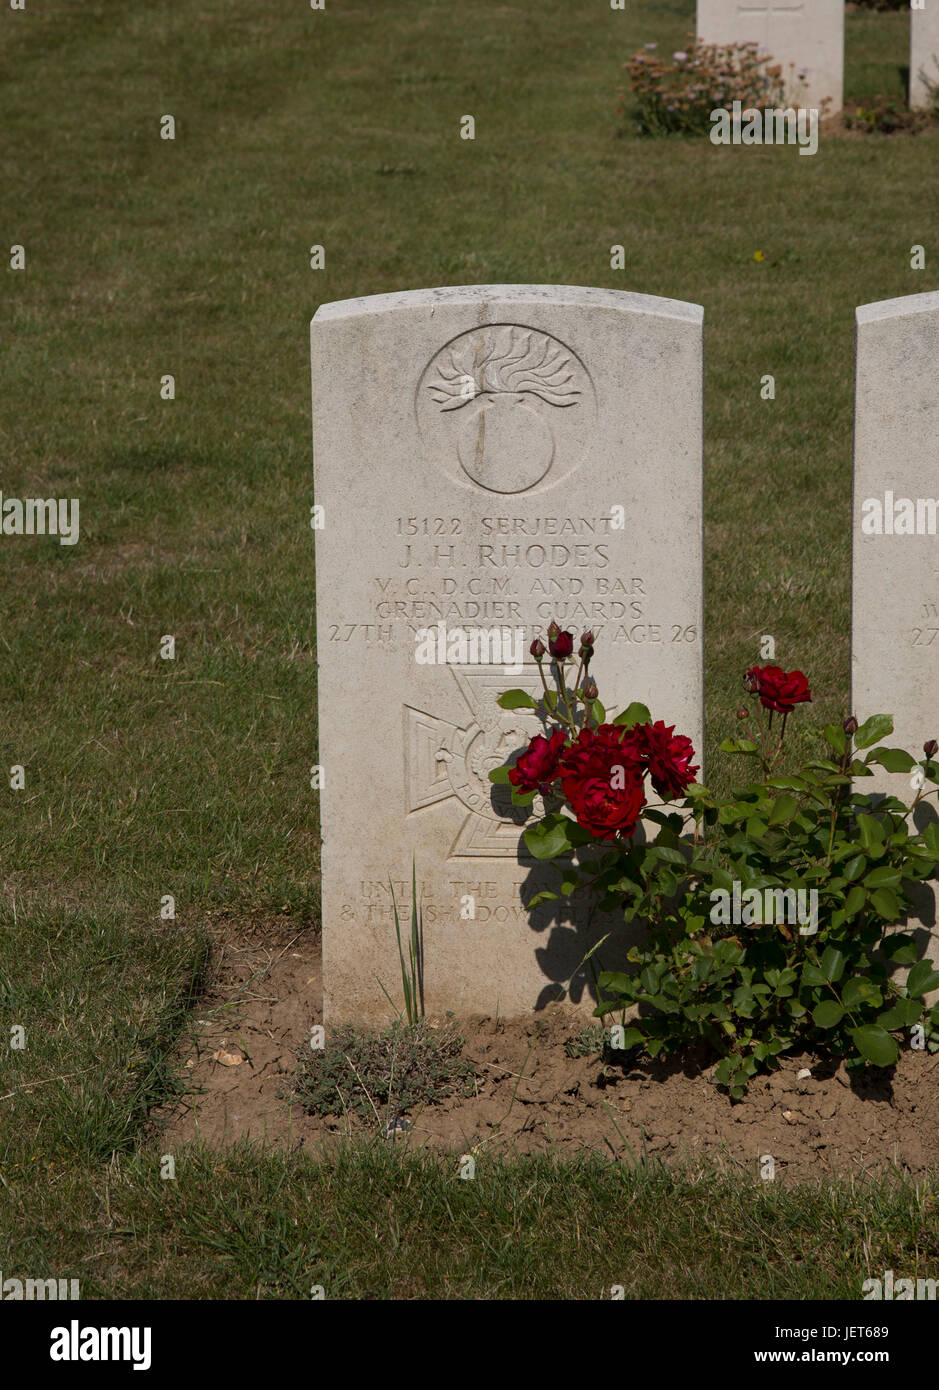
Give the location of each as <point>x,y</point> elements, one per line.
<point>487,458</point>
<point>924,52</point>
<point>804,36</point>
<point>895,598</point>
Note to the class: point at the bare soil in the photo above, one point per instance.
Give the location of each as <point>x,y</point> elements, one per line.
<point>531,1096</point>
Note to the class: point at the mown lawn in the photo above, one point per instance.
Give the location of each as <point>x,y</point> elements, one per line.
<point>148,777</point>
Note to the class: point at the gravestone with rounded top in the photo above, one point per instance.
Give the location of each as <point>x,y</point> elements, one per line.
<point>924,53</point>
<point>895,584</point>
<point>488,458</point>
<point>806,37</point>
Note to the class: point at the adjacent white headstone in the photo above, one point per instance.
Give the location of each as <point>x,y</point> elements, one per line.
<point>895,599</point>
<point>487,457</point>
<point>924,52</point>
<point>804,36</point>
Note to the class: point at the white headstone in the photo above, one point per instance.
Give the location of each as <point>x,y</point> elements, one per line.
<point>488,457</point>
<point>804,36</point>
<point>895,587</point>
<point>924,52</point>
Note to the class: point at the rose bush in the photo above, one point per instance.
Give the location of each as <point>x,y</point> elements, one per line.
<point>703,876</point>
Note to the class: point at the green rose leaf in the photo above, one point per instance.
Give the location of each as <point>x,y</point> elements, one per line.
<point>548,837</point>
<point>877,727</point>
<point>635,713</point>
<point>668,855</point>
<point>544,897</point>
<point>832,964</point>
<point>827,1014</point>
<point>784,808</point>
<point>884,877</point>
<point>499,775</point>
<point>886,904</point>
<point>517,699</point>
<point>860,991</point>
<point>901,948</point>
<point>738,745</point>
<point>922,978</point>
<point>870,831</point>
<point>614,980</point>
<point>876,1045</point>
<point>902,1013</point>
<point>893,759</point>
<point>854,901</point>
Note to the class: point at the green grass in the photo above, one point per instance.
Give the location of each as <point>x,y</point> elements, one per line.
<point>147,777</point>
<point>375,1222</point>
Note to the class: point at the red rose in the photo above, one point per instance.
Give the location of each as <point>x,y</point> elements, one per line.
<point>778,689</point>
<point>537,767</point>
<point>668,757</point>
<point>561,646</point>
<point>601,777</point>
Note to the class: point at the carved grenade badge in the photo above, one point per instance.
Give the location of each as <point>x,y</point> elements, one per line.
<point>501,394</point>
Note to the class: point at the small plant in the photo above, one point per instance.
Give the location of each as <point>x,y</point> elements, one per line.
<point>589,1042</point>
<point>412,970</point>
<point>769,916</point>
<point>380,1075</point>
<point>886,116</point>
<point>677,95</point>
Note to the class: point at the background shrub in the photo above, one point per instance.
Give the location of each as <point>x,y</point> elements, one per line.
<point>676,93</point>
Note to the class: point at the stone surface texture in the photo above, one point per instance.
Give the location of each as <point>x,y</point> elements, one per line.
<point>474,449</point>
<point>803,37</point>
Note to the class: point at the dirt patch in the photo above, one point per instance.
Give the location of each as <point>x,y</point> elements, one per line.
<point>531,1096</point>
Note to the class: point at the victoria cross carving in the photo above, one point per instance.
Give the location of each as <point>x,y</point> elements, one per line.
<point>447,760</point>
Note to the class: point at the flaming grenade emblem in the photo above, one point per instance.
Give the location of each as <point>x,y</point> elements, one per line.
<point>503,376</point>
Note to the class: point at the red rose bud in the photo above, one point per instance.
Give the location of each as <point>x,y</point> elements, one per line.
<point>850,725</point>
<point>931,748</point>
<point>778,690</point>
<point>561,645</point>
<point>743,712</point>
<point>553,630</point>
<point>590,689</point>
<point>538,649</point>
<point>750,685</point>
<point>586,639</point>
